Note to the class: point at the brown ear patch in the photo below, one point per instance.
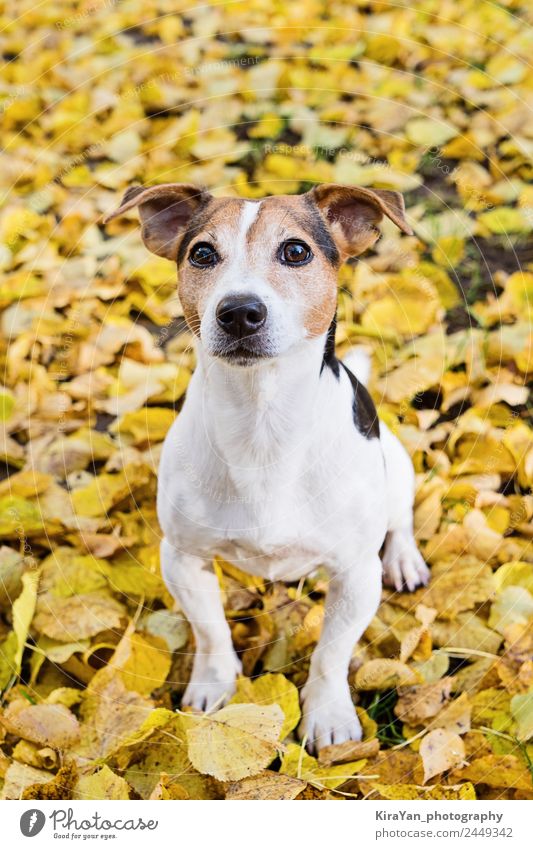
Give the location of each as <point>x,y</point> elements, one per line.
<point>165,212</point>
<point>354,213</point>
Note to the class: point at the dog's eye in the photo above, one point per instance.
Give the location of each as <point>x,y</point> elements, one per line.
<point>295,253</point>
<point>203,255</point>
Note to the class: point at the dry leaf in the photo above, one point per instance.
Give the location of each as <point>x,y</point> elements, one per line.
<point>440,751</point>
<point>239,740</point>
<point>462,792</point>
<point>49,725</point>
<point>102,784</point>
<point>266,786</point>
<point>498,771</point>
<point>298,764</point>
<point>420,703</point>
<point>382,674</point>
<point>341,753</point>
<point>268,690</point>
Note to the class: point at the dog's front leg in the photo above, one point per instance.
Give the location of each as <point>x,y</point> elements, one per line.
<point>193,583</point>
<point>328,712</point>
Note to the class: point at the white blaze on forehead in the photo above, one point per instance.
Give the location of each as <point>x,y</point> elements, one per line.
<point>250,211</point>
<point>233,238</point>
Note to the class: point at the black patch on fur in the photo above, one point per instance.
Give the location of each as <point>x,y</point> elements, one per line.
<point>320,233</point>
<point>329,359</point>
<point>364,412</point>
<point>365,416</point>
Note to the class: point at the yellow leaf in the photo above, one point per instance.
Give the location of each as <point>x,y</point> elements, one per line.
<point>408,315</point>
<point>236,741</point>
<point>108,490</point>
<point>132,578</point>
<point>452,590</point>
<point>522,711</point>
<point>142,662</point>
<point>382,674</point>
<point>419,703</point>
<point>412,377</point>
<point>352,750</point>
<point>512,605</point>
<point>72,619</point>
<point>158,748</point>
<point>429,132</point>
<point>59,787</point>
<point>498,771</point>
<point>268,690</point>
<point>23,610</point>
<point>109,714</point>
<point>519,289</point>
<point>441,750</point>
<point>49,725</point>
<point>463,792</point>
<point>25,484</point>
<point>504,219</point>
<point>298,764</point>
<point>19,776</point>
<point>455,716</point>
<point>102,784</point>
<point>448,252</point>
<point>19,517</point>
<point>146,426</point>
<point>515,573</point>
<point>266,786</point>
<point>250,581</point>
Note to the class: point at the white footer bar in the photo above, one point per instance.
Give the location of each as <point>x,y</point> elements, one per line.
<point>311,824</point>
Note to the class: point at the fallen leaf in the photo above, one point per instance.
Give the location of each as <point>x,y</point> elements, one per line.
<point>498,771</point>
<point>462,792</point>
<point>268,690</point>
<point>236,741</point>
<point>84,615</point>
<point>49,725</point>
<point>420,703</point>
<point>440,751</point>
<point>59,787</point>
<point>298,764</point>
<point>340,753</point>
<point>102,784</point>
<point>19,776</point>
<point>382,674</point>
<point>266,786</point>
<point>522,711</point>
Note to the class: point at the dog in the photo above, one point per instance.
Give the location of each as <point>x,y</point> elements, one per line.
<point>277,460</point>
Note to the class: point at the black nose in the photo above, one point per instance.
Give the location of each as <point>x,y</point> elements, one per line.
<point>241,315</point>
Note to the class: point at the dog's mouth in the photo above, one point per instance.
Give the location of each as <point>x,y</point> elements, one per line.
<point>243,352</point>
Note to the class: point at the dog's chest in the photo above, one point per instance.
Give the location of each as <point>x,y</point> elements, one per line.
<point>275,563</point>
<point>277,490</point>
<point>267,526</point>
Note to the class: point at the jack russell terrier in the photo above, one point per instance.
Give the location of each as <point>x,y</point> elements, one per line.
<point>277,460</point>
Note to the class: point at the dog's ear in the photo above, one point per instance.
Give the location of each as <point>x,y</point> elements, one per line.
<point>165,212</point>
<point>353,214</point>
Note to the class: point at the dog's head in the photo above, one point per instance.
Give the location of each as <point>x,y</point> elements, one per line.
<point>258,278</point>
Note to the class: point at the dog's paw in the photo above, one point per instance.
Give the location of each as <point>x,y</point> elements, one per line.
<point>211,685</point>
<point>403,565</point>
<point>328,716</point>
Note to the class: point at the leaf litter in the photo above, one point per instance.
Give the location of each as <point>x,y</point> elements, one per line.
<point>96,361</point>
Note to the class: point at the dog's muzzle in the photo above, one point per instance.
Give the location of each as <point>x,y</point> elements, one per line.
<point>241,315</point>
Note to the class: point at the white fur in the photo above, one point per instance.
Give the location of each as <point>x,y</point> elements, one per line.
<point>265,467</point>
